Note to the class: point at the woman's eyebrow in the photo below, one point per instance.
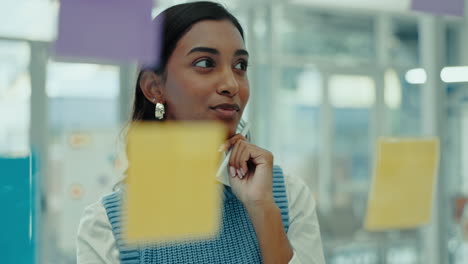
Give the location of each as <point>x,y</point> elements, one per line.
<point>241,52</point>
<point>204,49</point>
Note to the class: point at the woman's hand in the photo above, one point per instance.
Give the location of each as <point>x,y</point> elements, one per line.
<point>251,180</point>
<point>251,171</point>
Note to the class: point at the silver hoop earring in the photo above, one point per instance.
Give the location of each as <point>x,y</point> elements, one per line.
<point>159,111</point>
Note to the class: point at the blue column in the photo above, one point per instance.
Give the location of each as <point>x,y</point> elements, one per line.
<point>17,219</point>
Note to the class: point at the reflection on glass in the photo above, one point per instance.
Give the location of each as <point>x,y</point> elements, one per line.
<point>416,76</point>
<point>16,182</point>
<point>352,91</point>
<point>15,93</point>
<point>403,115</point>
<point>84,149</point>
<point>298,126</point>
<point>464,153</point>
<point>405,42</point>
<point>31,20</point>
<point>352,99</point>
<point>392,91</point>
<point>80,80</point>
<point>307,32</point>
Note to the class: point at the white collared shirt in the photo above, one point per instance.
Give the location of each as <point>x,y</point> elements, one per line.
<point>96,242</point>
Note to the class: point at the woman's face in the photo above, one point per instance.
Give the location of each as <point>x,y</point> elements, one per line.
<point>206,76</point>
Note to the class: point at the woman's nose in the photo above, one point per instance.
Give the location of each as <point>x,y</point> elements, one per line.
<point>228,84</point>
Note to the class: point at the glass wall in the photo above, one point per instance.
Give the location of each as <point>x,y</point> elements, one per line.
<point>84,164</point>
<point>298,122</point>
<point>330,80</point>
<point>320,97</point>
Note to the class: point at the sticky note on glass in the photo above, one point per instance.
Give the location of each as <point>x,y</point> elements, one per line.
<point>402,190</point>
<point>440,7</point>
<point>115,31</point>
<point>171,192</point>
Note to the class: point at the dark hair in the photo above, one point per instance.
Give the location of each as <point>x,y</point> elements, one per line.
<point>176,21</point>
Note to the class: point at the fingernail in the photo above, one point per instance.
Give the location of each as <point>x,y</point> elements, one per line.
<point>239,172</point>
<point>232,171</point>
<point>221,148</point>
<point>243,172</point>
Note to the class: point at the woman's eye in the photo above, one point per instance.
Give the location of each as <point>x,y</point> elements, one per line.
<point>242,65</point>
<point>205,63</point>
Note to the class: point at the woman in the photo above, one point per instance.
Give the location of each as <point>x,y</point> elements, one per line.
<point>202,75</point>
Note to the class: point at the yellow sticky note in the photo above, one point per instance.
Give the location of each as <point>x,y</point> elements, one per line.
<point>171,189</point>
<point>402,190</point>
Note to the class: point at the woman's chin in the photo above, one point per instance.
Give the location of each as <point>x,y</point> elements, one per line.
<point>230,125</point>
<point>231,129</point>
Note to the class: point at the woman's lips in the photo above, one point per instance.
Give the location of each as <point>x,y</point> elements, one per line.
<point>225,114</point>
<point>226,111</point>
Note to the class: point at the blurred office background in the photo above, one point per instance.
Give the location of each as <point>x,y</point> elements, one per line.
<point>327,80</point>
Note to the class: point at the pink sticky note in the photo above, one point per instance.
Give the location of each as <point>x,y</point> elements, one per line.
<point>440,7</point>
<point>109,30</point>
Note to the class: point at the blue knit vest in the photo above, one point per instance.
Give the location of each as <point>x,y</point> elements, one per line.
<point>235,243</point>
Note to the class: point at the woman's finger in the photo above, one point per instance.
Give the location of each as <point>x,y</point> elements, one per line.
<point>231,141</point>
<point>243,158</point>
<point>232,168</point>
<point>242,148</point>
<point>233,159</point>
<point>235,138</point>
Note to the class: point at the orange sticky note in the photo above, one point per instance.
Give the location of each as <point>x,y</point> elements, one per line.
<point>171,189</point>
<point>402,190</point>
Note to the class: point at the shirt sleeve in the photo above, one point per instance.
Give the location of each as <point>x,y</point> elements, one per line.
<point>304,231</point>
<point>95,241</point>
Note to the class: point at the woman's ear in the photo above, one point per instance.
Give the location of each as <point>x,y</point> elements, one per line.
<point>151,85</point>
